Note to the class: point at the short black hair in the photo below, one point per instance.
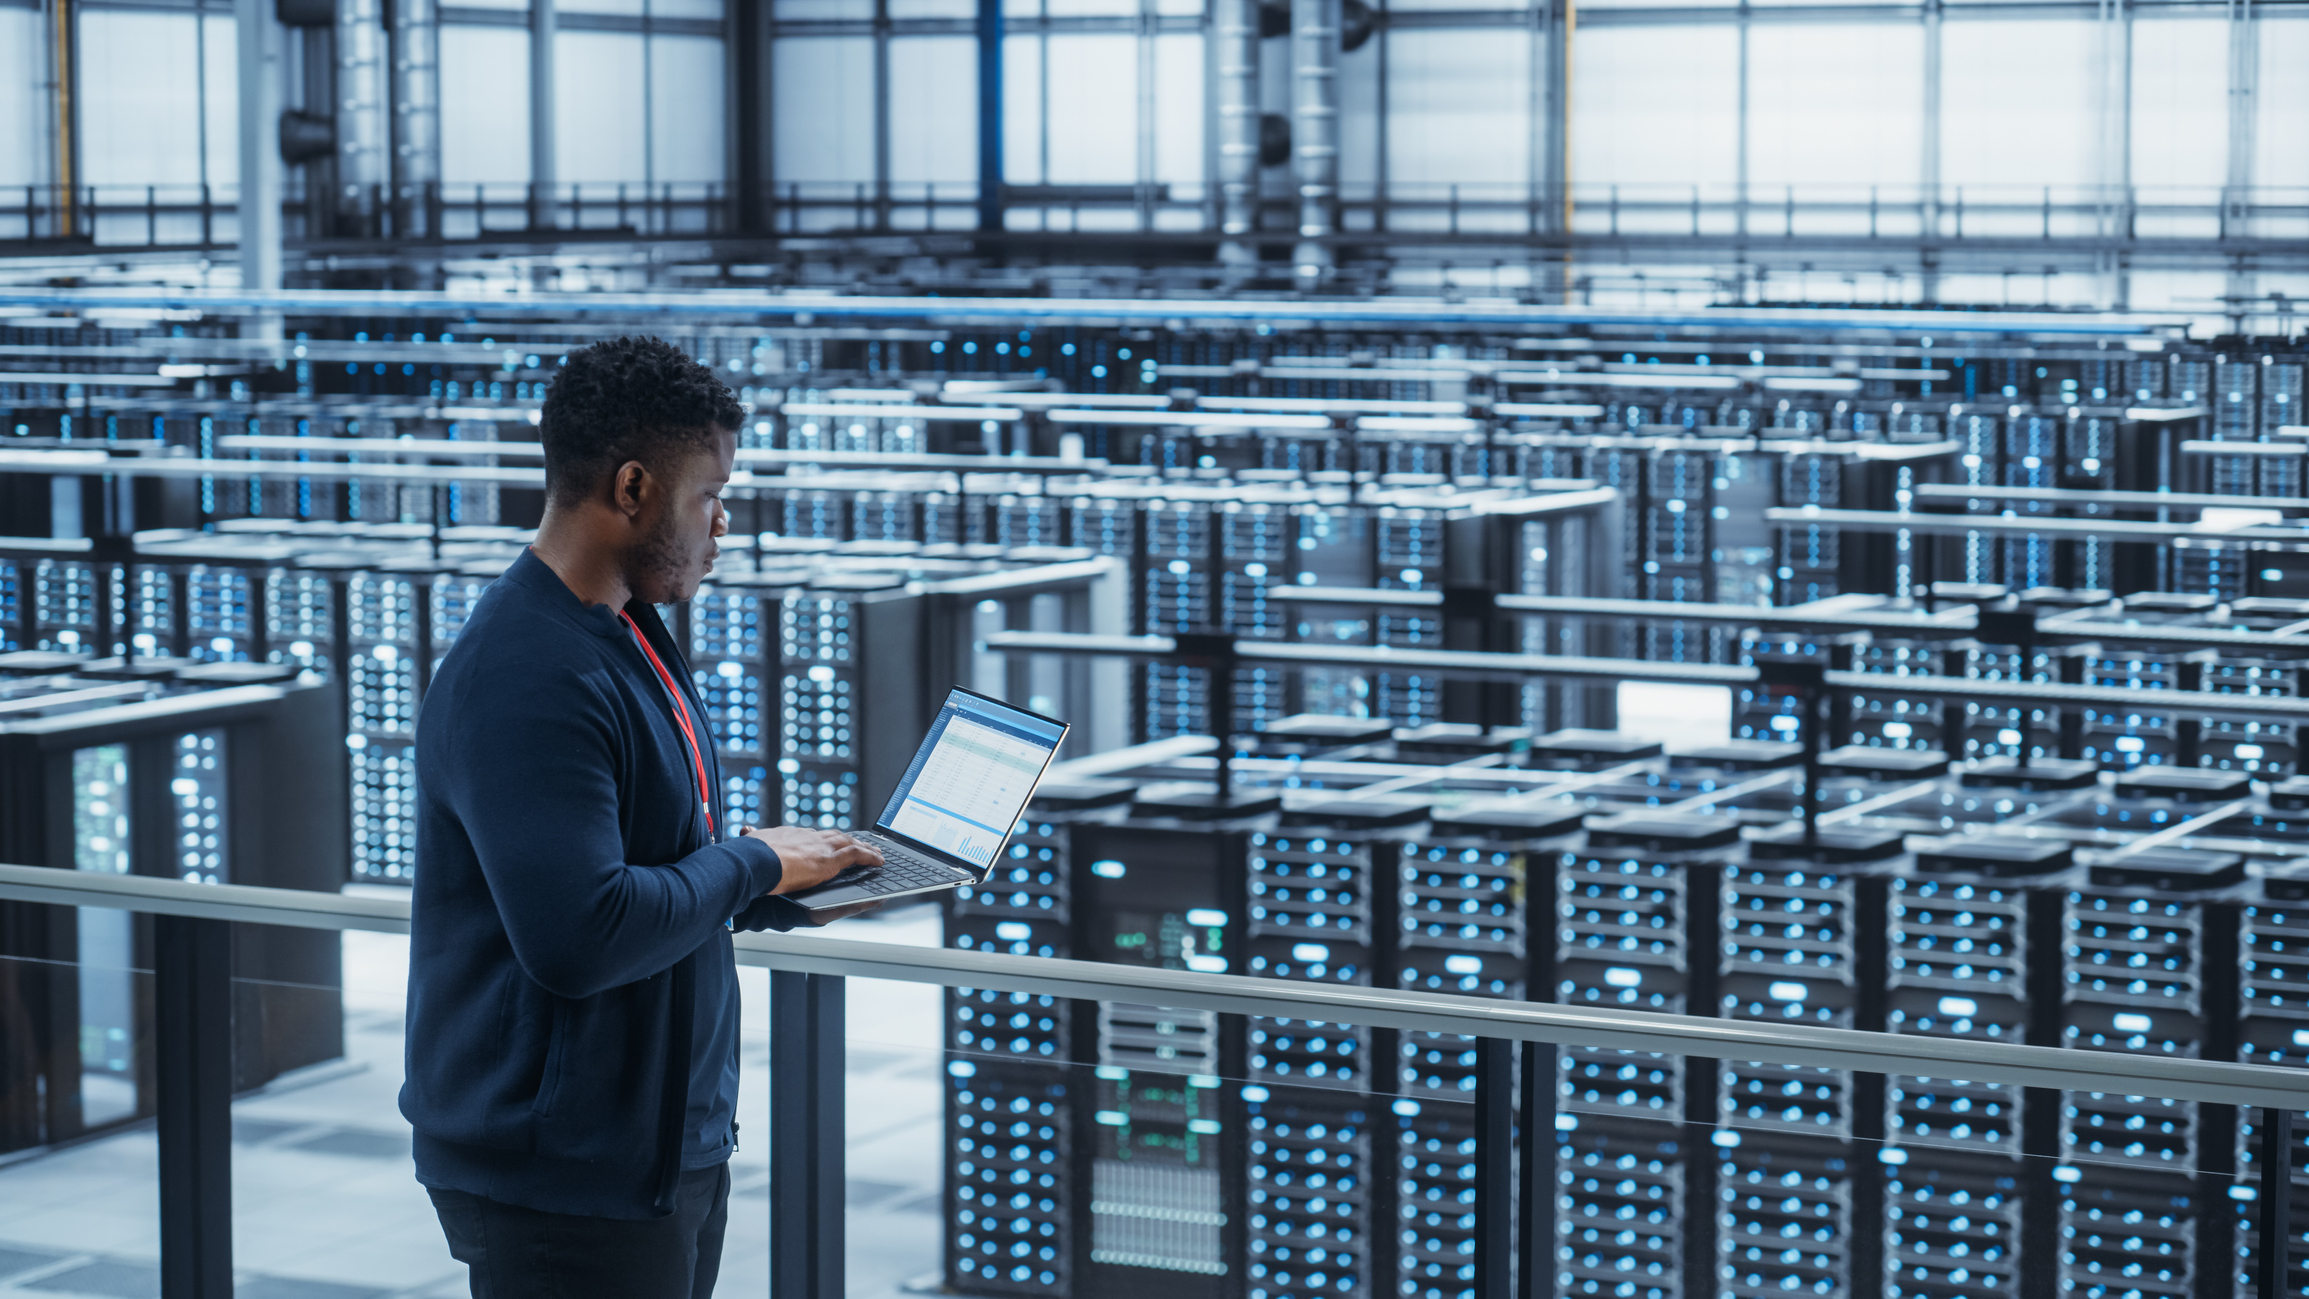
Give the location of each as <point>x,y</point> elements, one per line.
<point>627,399</point>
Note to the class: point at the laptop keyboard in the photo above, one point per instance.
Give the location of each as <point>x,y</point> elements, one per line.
<point>899,872</point>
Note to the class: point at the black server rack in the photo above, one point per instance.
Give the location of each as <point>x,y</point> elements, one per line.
<point>1637,916</point>
<point>839,756</point>
<point>732,628</point>
<point>1176,593</point>
<point>1466,885</point>
<point>1408,539</point>
<point>1318,1175</point>
<point>215,775</point>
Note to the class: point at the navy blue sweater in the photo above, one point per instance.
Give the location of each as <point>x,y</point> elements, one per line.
<point>572,993</point>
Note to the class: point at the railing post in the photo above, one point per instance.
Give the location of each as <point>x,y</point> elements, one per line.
<point>2276,1206</point>
<point>807,1136</point>
<point>1494,1168</point>
<point>1535,1174</point>
<point>192,996</point>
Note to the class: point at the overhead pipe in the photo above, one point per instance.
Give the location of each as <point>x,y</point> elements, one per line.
<point>1315,134</point>
<point>63,117</point>
<point>544,143</point>
<point>260,159</point>
<point>1237,22</point>
<point>416,117</point>
<point>359,30</point>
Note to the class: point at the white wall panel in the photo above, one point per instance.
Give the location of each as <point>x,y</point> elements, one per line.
<point>2180,102</point>
<point>140,109</point>
<point>2017,105</point>
<point>824,8</point>
<point>2281,138</point>
<point>597,106</point>
<point>933,110</point>
<point>1178,110</point>
<point>630,8</point>
<point>223,56</point>
<point>484,104</point>
<point>1069,8</point>
<point>23,153</point>
<point>823,109</point>
<point>689,124</point>
<point>1655,106</point>
<point>904,9</point>
<point>1458,103</point>
<point>1022,162</point>
<point>1094,110</point>
<point>1835,105</point>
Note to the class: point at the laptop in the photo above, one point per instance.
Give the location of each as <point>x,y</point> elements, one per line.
<point>950,816</point>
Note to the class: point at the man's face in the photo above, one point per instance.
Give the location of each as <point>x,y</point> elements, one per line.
<point>680,522</point>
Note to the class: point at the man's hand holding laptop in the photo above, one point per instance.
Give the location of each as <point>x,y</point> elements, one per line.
<point>811,857</point>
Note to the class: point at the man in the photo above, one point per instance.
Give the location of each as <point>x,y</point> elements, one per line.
<point>573,1001</point>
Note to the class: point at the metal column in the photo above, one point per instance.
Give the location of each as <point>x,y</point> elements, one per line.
<point>753,165</point>
<point>1315,134</point>
<point>807,1136</point>
<point>1555,190</point>
<point>2276,1203</point>
<point>416,118</point>
<point>1494,1168</point>
<point>2244,116</point>
<point>362,167</point>
<point>260,158</point>
<point>1928,280</point>
<point>544,212</point>
<point>1535,1172</point>
<point>990,114</point>
<point>62,39</point>
<point>192,994</point>
<point>1237,25</point>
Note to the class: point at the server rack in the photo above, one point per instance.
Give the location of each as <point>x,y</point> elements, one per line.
<point>220,776</point>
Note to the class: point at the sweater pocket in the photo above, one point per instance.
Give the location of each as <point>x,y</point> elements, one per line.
<point>605,1072</point>
<point>549,1081</point>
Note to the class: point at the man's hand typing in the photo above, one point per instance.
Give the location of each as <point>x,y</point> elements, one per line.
<point>811,857</point>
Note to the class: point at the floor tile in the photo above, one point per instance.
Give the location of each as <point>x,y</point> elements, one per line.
<point>106,1277</point>
<point>16,1262</point>
<point>277,1287</point>
<point>358,1144</point>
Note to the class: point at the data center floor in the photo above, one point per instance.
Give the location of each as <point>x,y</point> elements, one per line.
<point>326,1205</point>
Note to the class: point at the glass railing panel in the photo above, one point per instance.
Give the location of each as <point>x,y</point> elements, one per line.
<point>78,1158</point>
<point>1001,1143</point>
<point>894,1116</point>
<point>325,1196</point>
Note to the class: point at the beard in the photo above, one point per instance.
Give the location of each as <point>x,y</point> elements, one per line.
<point>658,566</point>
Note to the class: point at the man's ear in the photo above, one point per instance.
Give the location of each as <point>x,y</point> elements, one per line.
<point>627,487</point>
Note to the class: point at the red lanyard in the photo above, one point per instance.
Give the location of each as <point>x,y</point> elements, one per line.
<point>680,717</point>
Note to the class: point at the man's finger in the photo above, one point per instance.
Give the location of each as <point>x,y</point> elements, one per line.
<point>837,839</point>
<point>862,853</point>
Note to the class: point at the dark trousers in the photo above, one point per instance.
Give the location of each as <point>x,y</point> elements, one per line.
<point>516,1253</point>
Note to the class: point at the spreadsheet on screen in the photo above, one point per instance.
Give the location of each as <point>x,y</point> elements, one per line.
<point>970,788</point>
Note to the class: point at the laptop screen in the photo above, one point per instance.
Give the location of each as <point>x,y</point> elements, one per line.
<point>972,776</point>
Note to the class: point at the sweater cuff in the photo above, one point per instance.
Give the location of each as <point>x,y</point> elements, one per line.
<point>764,871</point>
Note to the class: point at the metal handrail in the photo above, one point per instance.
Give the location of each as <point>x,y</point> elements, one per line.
<point>2215,1082</point>
<point>767,308</point>
<point>1485,665</point>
